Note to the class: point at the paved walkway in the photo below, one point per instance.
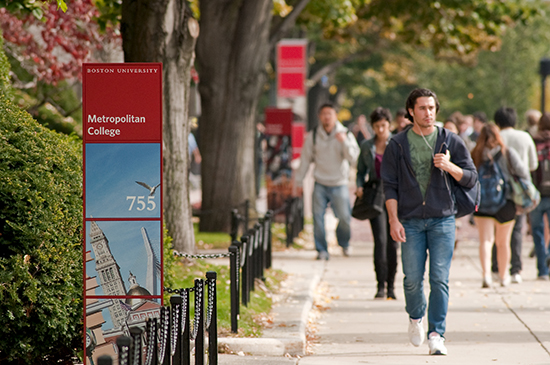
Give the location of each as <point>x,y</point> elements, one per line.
<point>484,326</point>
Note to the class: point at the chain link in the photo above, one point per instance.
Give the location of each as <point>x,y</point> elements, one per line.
<point>137,348</point>
<point>202,256</point>
<point>211,291</point>
<point>198,306</point>
<point>149,342</point>
<point>176,311</point>
<point>163,333</point>
<point>124,355</point>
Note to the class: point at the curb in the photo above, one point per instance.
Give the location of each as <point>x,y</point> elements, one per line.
<point>288,333</point>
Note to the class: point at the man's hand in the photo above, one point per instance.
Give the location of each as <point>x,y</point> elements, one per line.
<point>359,192</point>
<point>341,136</point>
<point>397,231</point>
<point>443,162</point>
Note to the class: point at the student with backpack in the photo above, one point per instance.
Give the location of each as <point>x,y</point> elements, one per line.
<point>541,179</point>
<point>496,215</point>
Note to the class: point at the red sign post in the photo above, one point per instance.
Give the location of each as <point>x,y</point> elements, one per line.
<point>122,251</point>
<point>291,67</point>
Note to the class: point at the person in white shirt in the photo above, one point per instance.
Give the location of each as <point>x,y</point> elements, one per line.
<point>522,142</point>
<point>332,148</point>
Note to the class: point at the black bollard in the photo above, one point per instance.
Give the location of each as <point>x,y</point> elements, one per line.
<point>137,346</point>
<point>212,318</point>
<point>198,329</point>
<point>234,272</point>
<point>176,315</point>
<point>123,343</point>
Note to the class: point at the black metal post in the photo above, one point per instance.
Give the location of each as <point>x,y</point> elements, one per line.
<point>213,315</point>
<point>186,326</point>
<point>269,216</point>
<point>252,267</point>
<point>199,311</point>
<point>176,315</point>
<point>233,273</point>
<point>123,343</point>
<point>166,330</point>
<point>137,346</point>
<point>288,222</point>
<point>261,245</point>
<point>245,270</point>
<point>235,220</point>
<point>246,214</point>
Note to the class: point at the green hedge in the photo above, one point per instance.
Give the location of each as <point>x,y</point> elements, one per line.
<point>40,241</point>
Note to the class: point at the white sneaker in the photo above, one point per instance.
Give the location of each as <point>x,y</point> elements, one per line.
<point>416,331</point>
<point>505,282</point>
<point>487,281</point>
<point>437,344</point>
<point>516,279</point>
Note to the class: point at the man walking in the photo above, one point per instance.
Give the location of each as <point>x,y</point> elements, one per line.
<point>333,149</point>
<point>522,142</point>
<point>418,169</point>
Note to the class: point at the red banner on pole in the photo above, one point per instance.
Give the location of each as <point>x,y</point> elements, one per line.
<point>291,67</point>
<point>123,240</point>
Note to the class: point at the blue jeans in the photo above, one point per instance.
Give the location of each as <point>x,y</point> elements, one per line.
<point>537,229</point>
<point>438,236</point>
<point>338,196</point>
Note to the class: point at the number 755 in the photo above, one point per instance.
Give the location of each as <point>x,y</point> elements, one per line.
<point>141,204</point>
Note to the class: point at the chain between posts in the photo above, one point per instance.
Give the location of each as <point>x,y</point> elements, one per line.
<point>211,288</point>
<point>174,335</point>
<point>202,256</point>
<point>164,328</point>
<point>196,320</point>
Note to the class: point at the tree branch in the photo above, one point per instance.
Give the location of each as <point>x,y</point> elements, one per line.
<point>288,22</point>
<point>331,67</point>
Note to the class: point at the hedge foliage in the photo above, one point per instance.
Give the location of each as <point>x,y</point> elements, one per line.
<point>40,241</point>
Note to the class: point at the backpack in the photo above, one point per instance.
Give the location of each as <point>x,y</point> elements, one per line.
<point>493,186</point>
<point>542,174</point>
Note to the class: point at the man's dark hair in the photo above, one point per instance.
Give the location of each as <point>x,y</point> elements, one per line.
<point>419,93</point>
<point>506,117</point>
<point>326,104</point>
<point>401,112</point>
<point>379,114</point>
<point>481,116</point>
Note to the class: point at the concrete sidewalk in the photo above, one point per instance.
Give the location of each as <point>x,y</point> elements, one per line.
<point>484,326</point>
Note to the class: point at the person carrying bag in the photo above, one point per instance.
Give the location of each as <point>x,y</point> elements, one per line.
<point>370,202</point>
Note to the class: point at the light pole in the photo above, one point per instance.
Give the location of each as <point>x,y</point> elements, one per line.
<point>544,71</point>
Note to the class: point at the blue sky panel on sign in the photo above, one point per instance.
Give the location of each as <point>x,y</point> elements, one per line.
<point>123,180</point>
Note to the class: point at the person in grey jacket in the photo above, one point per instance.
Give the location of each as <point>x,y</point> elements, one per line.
<point>332,148</point>
<point>368,169</point>
<point>497,227</point>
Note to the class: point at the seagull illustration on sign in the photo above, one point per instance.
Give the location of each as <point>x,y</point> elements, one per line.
<point>152,190</point>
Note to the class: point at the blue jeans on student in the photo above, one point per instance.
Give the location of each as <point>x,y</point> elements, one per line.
<point>436,235</point>
<point>537,230</point>
<point>338,196</point>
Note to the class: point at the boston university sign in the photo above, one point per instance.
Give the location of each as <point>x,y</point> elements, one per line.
<point>122,248</point>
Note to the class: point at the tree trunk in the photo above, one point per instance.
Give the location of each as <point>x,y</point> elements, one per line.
<point>158,31</point>
<point>232,52</point>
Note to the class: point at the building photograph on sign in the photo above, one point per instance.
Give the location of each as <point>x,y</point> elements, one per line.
<point>122,180</point>
<point>114,264</point>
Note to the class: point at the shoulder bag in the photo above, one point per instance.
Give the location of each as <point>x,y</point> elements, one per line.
<point>371,203</point>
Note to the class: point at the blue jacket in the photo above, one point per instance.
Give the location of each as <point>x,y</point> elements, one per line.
<point>400,180</point>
